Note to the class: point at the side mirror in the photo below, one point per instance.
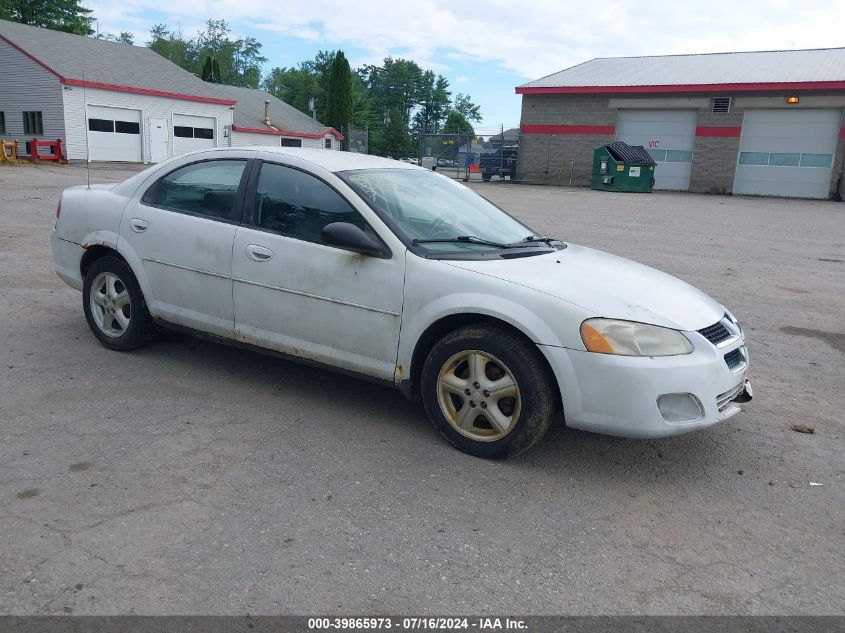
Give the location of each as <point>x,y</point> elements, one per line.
<point>350,237</point>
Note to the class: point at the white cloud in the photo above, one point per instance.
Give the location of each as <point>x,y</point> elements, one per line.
<point>530,39</point>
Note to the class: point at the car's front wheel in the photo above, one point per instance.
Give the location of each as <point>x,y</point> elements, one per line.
<point>114,305</point>
<point>488,391</point>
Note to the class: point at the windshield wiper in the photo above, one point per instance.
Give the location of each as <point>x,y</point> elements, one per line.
<point>464,239</point>
<point>535,238</point>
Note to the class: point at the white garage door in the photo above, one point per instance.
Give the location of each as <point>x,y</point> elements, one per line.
<point>787,152</point>
<point>114,134</point>
<point>191,133</point>
<point>668,135</point>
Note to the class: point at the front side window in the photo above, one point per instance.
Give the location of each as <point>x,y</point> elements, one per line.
<point>209,189</point>
<point>423,205</point>
<point>33,123</point>
<point>296,204</point>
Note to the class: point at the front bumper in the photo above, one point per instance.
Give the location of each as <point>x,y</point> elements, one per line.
<point>618,395</point>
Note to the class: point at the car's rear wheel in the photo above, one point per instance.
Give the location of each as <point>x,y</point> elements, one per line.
<point>488,391</point>
<point>114,305</point>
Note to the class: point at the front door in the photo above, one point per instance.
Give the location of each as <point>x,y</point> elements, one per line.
<point>158,140</point>
<point>182,229</point>
<point>298,296</point>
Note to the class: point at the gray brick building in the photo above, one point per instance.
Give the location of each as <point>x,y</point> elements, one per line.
<point>760,123</point>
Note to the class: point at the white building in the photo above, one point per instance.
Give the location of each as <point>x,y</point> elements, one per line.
<point>115,102</point>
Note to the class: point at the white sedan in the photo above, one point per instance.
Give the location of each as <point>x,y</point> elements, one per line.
<point>400,275</point>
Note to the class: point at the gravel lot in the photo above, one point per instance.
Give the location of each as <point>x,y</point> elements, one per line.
<point>194,478</point>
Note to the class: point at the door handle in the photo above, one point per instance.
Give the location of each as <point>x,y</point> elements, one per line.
<point>258,253</point>
<point>138,225</point>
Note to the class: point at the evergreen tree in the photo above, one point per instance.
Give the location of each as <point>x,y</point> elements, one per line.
<point>211,70</point>
<point>339,94</point>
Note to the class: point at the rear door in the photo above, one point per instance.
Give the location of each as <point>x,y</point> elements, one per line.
<point>182,229</point>
<point>301,297</point>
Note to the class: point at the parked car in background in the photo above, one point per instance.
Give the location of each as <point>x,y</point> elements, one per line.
<point>405,277</point>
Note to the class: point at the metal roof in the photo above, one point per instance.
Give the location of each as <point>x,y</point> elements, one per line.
<point>249,113</point>
<point>751,70</point>
<point>105,64</point>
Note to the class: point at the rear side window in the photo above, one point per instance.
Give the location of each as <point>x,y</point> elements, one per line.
<point>209,189</point>
<point>296,204</point>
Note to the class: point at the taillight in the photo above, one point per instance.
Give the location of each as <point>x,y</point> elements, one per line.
<point>59,209</point>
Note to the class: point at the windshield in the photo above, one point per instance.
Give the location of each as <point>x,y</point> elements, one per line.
<point>423,205</point>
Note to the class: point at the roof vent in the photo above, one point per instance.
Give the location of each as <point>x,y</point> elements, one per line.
<point>721,104</point>
<point>266,119</point>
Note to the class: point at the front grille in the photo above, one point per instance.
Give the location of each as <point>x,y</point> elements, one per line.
<point>726,398</point>
<point>734,359</point>
<point>716,333</point>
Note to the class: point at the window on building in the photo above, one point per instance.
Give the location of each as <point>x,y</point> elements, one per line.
<point>127,127</point>
<point>754,158</point>
<point>184,131</point>
<point>783,159</point>
<point>291,142</point>
<point>816,160</point>
<point>296,204</point>
<point>33,124</point>
<point>328,142</point>
<point>100,125</point>
<point>209,189</point>
<point>2,123</point>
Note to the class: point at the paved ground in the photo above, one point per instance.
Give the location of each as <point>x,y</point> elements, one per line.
<point>194,478</point>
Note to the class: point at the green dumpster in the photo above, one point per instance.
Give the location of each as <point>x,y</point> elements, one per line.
<point>622,167</point>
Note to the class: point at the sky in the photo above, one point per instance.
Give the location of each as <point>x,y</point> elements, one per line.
<point>487,48</point>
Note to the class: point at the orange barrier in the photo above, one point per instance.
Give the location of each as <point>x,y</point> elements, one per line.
<point>474,169</point>
<point>8,151</point>
<point>55,155</point>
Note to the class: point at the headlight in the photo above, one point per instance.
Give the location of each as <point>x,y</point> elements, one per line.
<point>627,338</point>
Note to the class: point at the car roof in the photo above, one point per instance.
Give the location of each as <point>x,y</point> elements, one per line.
<point>331,160</point>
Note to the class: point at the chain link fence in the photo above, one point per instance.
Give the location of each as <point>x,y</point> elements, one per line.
<point>507,156</point>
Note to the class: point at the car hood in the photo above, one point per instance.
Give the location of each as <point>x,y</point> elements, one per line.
<point>607,285</point>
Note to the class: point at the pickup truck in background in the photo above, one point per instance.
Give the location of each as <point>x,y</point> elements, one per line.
<point>500,163</point>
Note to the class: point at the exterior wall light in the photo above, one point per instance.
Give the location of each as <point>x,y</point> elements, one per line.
<point>792,99</point>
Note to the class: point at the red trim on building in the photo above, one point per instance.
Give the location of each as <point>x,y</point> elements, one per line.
<point>842,132</point>
<point>715,130</point>
<point>741,87</point>
<point>147,91</point>
<point>257,130</point>
<point>568,129</point>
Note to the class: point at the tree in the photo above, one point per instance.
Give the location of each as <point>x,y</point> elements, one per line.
<point>238,61</point>
<point>125,37</point>
<point>211,70</point>
<point>294,86</point>
<point>464,106</point>
<point>59,15</point>
<point>170,45</point>
<point>339,93</point>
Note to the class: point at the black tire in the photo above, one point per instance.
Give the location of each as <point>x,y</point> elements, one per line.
<point>536,388</point>
<point>485,176</point>
<point>141,328</point>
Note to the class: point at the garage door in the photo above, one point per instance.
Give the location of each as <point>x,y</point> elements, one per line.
<point>787,152</point>
<point>114,134</point>
<point>668,135</point>
<point>191,133</point>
